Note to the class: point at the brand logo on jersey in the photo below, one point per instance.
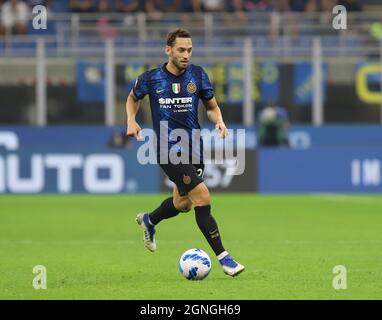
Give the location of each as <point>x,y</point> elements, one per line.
<point>176,88</point>
<point>191,87</point>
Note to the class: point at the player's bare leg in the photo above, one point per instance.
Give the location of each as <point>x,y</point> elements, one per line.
<point>200,197</point>
<point>182,203</point>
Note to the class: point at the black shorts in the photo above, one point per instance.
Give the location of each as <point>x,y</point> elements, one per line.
<point>185,176</point>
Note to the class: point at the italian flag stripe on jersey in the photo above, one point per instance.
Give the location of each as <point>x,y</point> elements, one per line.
<point>176,88</point>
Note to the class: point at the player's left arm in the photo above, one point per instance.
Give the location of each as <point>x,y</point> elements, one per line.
<point>215,116</point>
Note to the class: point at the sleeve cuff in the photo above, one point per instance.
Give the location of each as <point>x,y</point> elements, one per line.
<point>208,99</point>
<point>136,95</point>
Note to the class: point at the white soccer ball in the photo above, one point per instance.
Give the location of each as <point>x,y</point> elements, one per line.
<point>195,264</point>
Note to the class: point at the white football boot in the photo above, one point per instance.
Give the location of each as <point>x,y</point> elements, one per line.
<point>230,266</point>
<point>148,231</point>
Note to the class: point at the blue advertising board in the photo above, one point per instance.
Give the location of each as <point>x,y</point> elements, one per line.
<point>56,171</point>
<point>326,170</point>
<point>303,83</point>
<point>90,82</point>
<point>301,137</point>
<point>77,159</point>
<point>60,168</point>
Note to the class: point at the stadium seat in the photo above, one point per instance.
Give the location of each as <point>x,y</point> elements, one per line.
<point>60,6</point>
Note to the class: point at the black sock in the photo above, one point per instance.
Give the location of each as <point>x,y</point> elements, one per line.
<point>165,211</point>
<point>208,226</point>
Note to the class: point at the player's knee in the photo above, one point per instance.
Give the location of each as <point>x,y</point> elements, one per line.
<point>203,199</point>
<point>183,206</point>
<point>186,207</point>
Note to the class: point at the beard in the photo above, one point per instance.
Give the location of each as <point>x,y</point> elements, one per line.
<point>179,65</point>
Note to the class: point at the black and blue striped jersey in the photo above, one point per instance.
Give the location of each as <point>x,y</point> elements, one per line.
<point>174,103</point>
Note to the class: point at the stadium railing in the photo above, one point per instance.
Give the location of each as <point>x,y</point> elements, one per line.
<point>75,38</point>
<point>269,31</point>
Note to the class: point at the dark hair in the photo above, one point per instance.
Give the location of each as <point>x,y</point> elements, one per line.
<point>177,33</point>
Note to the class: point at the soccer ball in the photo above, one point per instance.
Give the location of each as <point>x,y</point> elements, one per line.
<point>194,264</point>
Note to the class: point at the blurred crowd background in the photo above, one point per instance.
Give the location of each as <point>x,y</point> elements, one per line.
<point>275,38</point>
<point>154,8</point>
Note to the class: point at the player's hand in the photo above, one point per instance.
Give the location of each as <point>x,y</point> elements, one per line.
<point>134,130</point>
<point>223,131</point>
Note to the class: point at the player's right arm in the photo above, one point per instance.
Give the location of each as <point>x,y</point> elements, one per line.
<point>139,90</point>
<point>132,106</point>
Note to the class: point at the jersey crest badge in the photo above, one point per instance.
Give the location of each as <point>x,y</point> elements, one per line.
<point>186,179</point>
<point>191,87</point>
<point>176,88</point>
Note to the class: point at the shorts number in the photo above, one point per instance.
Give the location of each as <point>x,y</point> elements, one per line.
<point>199,172</point>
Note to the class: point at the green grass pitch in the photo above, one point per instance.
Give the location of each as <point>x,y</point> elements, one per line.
<point>92,247</point>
